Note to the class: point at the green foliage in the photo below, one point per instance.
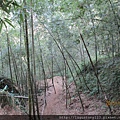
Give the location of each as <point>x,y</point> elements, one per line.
<point>109,77</point>
<point>6,7</point>
<point>7,4</point>
<point>8,21</point>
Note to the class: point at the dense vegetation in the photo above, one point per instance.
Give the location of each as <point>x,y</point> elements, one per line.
<point>77,39</point>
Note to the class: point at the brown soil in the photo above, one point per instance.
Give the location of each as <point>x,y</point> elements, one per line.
<point>56,103</point>
<point>8,110</point>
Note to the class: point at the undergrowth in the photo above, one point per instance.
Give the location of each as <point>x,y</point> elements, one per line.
<point>109,75</point>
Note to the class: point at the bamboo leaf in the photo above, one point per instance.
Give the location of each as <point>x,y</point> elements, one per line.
<point>9,22</point>
<point>8,3</point>
<point>1,24</point>
<point>4,8</point>
<point>21,17</point>
<point>16,4</point>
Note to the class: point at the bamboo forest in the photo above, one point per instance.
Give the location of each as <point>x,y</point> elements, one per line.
<point>59,57</point>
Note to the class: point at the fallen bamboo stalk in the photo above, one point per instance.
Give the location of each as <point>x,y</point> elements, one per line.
<point>24,97</point>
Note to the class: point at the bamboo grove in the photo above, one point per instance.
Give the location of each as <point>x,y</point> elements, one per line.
<point>40,39</point>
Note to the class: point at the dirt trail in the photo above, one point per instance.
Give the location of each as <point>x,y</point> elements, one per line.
<point>56,103</point>
<point>53,99</point>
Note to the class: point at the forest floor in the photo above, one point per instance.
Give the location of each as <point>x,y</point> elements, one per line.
<point>56,103</point>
